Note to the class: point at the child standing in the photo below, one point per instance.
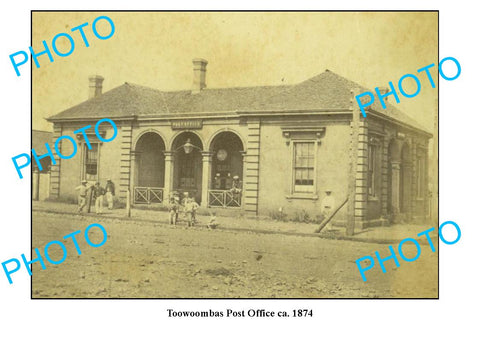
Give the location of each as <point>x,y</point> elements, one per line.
<point>173,208</point>
<point>189,207</point>
<point>195,207</point>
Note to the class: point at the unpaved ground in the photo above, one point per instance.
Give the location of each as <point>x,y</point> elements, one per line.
<point>154,261</point>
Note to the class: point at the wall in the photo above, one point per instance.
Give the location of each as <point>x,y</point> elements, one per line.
<point>43,191</point>
<point>268,167</point>
<point>276,166</point>
<point>40,185</point>
<point>70,169</point>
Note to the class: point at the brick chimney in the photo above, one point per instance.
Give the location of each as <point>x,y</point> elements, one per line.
<point>95,86</point>
<point>383,90</point>
<point>199,74</point>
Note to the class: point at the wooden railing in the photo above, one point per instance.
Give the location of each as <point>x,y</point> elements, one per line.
<point>224,198</point>
<point>147,195</point>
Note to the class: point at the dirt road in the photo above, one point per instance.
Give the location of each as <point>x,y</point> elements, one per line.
<point>157,261</point>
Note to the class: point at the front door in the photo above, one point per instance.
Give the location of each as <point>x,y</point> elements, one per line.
<point>188,173</point>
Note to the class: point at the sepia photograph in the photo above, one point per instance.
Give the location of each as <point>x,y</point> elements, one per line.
<point>235,155</point>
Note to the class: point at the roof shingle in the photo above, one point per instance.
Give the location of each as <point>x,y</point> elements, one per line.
<point>327,90</point>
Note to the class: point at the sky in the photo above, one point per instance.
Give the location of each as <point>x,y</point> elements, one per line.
<point>156,49</point>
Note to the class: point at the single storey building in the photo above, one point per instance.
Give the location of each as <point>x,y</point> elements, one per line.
<point>257,149</point>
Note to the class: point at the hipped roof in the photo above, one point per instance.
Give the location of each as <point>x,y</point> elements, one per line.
<point>326,91</point>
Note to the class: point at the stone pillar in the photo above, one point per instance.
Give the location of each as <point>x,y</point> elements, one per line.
<point>414,184</point>
<point>206,176</point>
<point>353,165</point>
<point>425,186</point>
<point>395,189</point>
<point>134,157</point>
<point>244,170</point>
<point>125,162</point>
<point>361,175</point>
<point>385,179</point>
<point>251,175</point>
<point>168,181</point>
<point>414,171</point>
<point>407,189</point>
<point>55,168</point>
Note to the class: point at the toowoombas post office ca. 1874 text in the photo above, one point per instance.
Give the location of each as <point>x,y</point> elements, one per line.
<point>287,144</point>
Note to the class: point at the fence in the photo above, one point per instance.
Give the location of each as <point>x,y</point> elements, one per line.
<point>224,198</point>
<point>147,195</point>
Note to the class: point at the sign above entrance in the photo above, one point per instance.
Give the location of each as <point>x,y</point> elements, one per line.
<point>187,124</point>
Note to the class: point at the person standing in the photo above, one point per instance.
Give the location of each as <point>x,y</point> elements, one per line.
<point>173,208</point>
<point>98,193</point>
<point>188,208</point>
<point>236,192</point>
<point>195,207</point>
<point>185,200</point>
<point>82,195</point>
<point>236,186</point>
<point>110,192</point>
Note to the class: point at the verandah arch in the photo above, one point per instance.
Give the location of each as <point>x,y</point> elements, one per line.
<point>149,179</point>
<point>187,150</point>
<point>226,176</point>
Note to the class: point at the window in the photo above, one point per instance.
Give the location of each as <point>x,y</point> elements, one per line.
<point>304,166</point>
<point>372,161</point>
<point>303,143</point>
<point>91,162</point>
<point>421,174</point>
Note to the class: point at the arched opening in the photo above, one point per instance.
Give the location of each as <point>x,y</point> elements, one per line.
<point>187,172</point>
<point>150,168</point>
<point>227,170</point>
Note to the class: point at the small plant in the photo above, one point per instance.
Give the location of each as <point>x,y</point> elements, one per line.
<point>278,215</point>
<point>63,199</point>
<point>319,219</point>
<point>302,217</point>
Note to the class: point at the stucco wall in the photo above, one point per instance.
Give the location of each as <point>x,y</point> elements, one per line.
<point>275,176</point>
<point>276,170</point>
<point>70,169</point>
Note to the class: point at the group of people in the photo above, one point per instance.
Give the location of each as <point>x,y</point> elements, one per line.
<point>189,207</point>
<point>98,193</point>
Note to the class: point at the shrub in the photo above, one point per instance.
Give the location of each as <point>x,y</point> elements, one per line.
<point>63,199</point>
<point>278,215</point>
<point>302,217</point>
<point>319,219</point>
